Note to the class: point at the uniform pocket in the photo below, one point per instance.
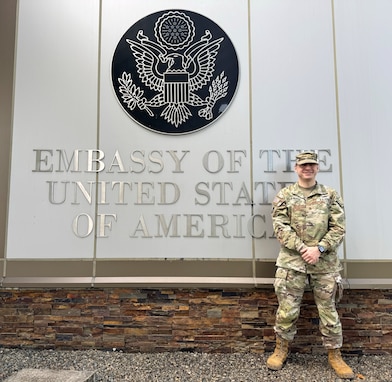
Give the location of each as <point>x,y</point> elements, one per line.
<point>281,273</point>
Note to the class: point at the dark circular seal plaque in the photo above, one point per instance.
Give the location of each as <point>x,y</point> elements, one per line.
<point>175,72</point>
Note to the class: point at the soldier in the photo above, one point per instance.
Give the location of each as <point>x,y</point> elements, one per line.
<point>309,222</point>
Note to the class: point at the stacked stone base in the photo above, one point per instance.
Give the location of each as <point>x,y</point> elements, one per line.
<point>200,320</point>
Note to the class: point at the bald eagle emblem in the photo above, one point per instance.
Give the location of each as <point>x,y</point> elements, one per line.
<point>174,74</point>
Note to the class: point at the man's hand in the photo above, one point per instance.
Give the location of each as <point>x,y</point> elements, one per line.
<point>310,254</point>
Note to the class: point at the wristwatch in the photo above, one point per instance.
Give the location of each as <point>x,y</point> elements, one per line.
<point>321,248</point>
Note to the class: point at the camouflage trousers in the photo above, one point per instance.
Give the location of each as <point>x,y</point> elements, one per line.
<point>289,288</point>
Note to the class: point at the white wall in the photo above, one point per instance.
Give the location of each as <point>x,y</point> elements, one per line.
<point>313,75</point>
<point>364,61</point>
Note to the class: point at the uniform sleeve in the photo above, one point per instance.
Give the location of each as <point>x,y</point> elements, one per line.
<point>282,225</point>
<point>336,224</point>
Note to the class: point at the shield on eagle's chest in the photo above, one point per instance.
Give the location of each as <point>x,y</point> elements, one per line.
<point>176,88</point>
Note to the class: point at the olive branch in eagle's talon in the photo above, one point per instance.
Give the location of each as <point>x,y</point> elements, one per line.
<point>132,95</point>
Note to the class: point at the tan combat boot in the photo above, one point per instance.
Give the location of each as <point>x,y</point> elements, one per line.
<point>341,368</point>
<point>277,359</point>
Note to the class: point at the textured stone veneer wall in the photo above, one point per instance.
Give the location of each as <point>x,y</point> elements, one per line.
<point>209,320</point>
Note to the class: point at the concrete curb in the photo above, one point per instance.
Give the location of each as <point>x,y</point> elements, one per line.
<point>46,375</point>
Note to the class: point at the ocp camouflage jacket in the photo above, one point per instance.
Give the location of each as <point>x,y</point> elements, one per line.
<point>318,219</point>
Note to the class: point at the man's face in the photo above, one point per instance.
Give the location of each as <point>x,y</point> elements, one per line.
<point>307,171</point>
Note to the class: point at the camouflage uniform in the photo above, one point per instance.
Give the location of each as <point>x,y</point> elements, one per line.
<point>300,221</point>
